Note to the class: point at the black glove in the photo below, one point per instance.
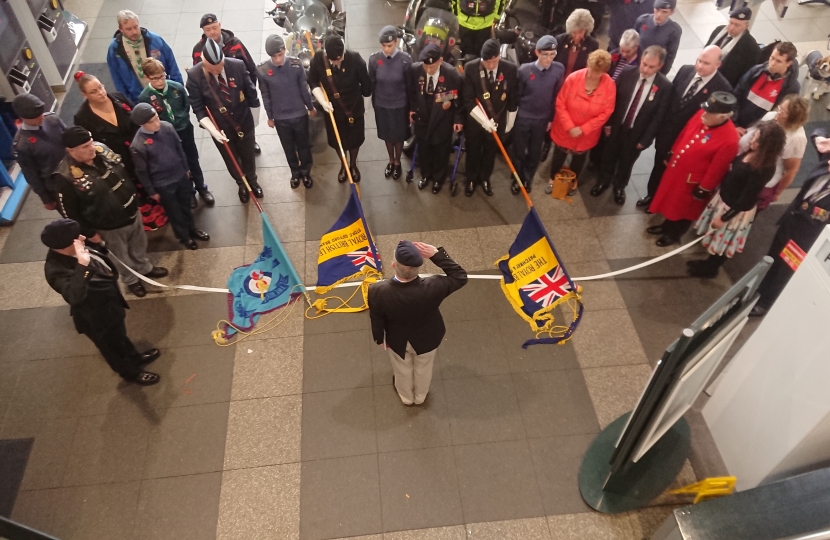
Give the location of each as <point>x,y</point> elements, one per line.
<point>700,194</point>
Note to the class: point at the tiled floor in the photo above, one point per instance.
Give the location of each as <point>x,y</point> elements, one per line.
<point>298,433</point>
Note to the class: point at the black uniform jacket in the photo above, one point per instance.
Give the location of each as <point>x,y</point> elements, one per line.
<point>95,301</point>
<point>804,219</point>
<point>351,82</point>
<point>117,138</point>
<point>408,312</point>
<point>231,48</point>
<point>740,58</point>
<point>434,117</point>
<point>565,44</point>
<point>237,115</point>
<point>503,96</point>
<point>650,115</point>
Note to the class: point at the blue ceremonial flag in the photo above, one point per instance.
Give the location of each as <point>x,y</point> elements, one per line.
<point>535,281</point>
<point>268,283</point>
<point>347,250</point>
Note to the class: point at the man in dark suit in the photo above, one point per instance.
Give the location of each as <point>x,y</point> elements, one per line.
<point>643,96</point>
<point>691,86</point>
<point>224,87</point>
<point>801,224</point>
<point>88,281</point>
<point>405,316</point>
<point>495,84</point>
<point>436,112</point>
<point>739,49</point>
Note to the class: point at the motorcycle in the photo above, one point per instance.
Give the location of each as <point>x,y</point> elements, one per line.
<point>430,25</point>
<point>307,24</point>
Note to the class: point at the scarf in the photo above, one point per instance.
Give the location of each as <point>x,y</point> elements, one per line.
<point>139,53</point>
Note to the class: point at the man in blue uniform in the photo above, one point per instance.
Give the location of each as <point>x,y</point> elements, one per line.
<point>658,29</point>
<point>38,146</point>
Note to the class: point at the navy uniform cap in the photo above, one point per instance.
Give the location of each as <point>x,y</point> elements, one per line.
<point>212,52</point>
<point>665,4</point>
<point>430,54</point>
<point>741,14</point>
<point>546,43</point>
<point>28,106</point>
<point>207,18</point>
<point>719,103</point>
<point>408,255</point>
<point>490,49</point>
<point>60,233</point>
<point>388,34</point>
<point>334,47</point>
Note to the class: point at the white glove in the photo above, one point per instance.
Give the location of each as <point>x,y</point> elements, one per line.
<point>321,99</point>
<point>215,133</point>
<point>511,119</point>
<point>486,123</point>
<point>823,144</point>
<point>255,112</point>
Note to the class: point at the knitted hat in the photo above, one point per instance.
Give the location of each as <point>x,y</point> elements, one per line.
<point>60,233</point>
<point>274,44</point>
<point>142,113</point>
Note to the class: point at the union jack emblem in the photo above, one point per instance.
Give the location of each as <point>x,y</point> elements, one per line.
<point>547,289</point>
<point>363,257</point>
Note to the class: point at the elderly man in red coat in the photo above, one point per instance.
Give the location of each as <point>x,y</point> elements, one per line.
<point>699,160</point>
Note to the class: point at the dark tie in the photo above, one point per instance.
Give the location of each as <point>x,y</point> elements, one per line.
<point>491,76</point>
<point>430,86</point>
<point>223,88</point>
<point>724,41</point>
<point>692,90</point>
<point>632,110</point>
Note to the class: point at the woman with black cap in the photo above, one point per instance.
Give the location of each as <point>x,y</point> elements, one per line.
<point>343,76</point>
<point>389,69</point>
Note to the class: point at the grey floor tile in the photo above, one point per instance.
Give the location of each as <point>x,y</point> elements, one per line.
<point>100,511</point>
<point>514,529</point>
<point>340,498</point>
<point>338,423</point>
<point>382,365</point>
<point>269,367</point>
<point>23,243</point>
<point>419,489</point>
<point>646,521</point>
<point>515,331</point>
<point>337,361</point>
<point>36,509</point>
<point>49,389</point>
<point>607,338</point>
<point>658,326</point>
<point>456,532</point>
<point>181,508</point>
<point>555,403</point>
<point>263,432</point>
<point>9,375</point>
<point>575,240</point>
<point>408,428</point>
<point>188,440</point>
<point>263,502</point>
<point>287,218</point>
<point>615,390</point>
<point>337,322</point>
<point>557,461</point>
<point>497,482</point>
<point>209,267</point>
<point>192,376</point>
<point>26,340</point>
<point>604,205</point>
<point>179,321</point>
<point>591,525</point>
<point>463,245</point>
<point>472,349</point>
<point>48,457</point>
<point>599,294</point>
<point>17,288</point>
<point>226,225</point>
<point>478,299</point>
<point>483,409</point>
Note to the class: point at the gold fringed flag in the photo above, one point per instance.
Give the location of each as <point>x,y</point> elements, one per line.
<point>535,281</point>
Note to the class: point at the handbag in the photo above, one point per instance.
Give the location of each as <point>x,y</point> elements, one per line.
<point>564,183</point>
<point>765,197</point>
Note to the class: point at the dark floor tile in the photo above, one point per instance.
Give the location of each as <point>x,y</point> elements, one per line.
<point>497,482</point>
<point>557,461</point>
<point>382,365</point>
<point>472,349</point>
<point>227,226</point>
<point>337,361</point>
<point>478,299</point>
<point>33,209</point>
<point>9,375</point>
<point>224,190</point>
<point>176,321</point>
<point>764,227</point>
<point>23,243</point>
<point>658,326</point>
<point>407,428</point>
<point>14,457</point>
<point>515,332</point>
<point>338,423</point>
<point>419,489</point>
<point>337,322</point>
<point>483,409</point>
<point>187,440</point>
<point>100,511</point>
<point>48,389</point>
<point>26,336</point>
<point>555,403</point>
<point>36,509</point>
<point>179,508</point>
<point>604,205</point>
<point>340,498</point>
<point>48,458</point>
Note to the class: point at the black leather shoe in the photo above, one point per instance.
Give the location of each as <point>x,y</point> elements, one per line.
<point>257,190</point>
<point>356,174</point>
<point>199,235</point>
<point>307,181</point>
<point>387,172</point>
<point>436,187</point>
<point>758,311</point>
<point>528,187</point>
<point>148,357</point>
<point>341,176</point>
<point>695,263</point>
<point>146,378</point>
<point>469,189</point>
<point>207,196</point>
<point>514,188</point>
<point>485,186</point>
<point>655,229</point>
<point>702,271</point>
<point>191,244</point>
<point>137,289</point>
<point>597,190</point>
<point>157,272</point>
<point>295,182</point>
<point>257,149</point>
<point>666,240</point>
<point>194,202</point>
<point>619,196</point>
<point>397,172</point>
<point>645,201</point>
<point>422,183</point>
<point>244,196</point>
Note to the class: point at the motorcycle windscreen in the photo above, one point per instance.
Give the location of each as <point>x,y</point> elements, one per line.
<point>436,26</point>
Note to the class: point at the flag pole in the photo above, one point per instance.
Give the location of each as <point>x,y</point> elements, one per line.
<point>236,164</point>
<point>508,160</point>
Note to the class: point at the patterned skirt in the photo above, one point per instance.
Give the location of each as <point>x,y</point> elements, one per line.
<point>730,238</point>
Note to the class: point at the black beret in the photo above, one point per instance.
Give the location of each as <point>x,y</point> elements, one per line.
<point>75,136</point>
<point>490,49</point>
<point>274,44</point>
<point>28,106</point>
<point>142,113</point>
<point>665,4</point>
<point>212,52</point>
<point>208,18</point>
<point>430,54</point>
<point>408,255</point>
<point>742,14</point>
<point>60,233</point>
<point>719,103</point>
<point>334,47</point>
<point>388,34</point>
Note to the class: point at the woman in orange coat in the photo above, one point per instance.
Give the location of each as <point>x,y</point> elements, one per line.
<point>583,105</point>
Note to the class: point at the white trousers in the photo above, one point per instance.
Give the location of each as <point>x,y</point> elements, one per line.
<point>413,374</point>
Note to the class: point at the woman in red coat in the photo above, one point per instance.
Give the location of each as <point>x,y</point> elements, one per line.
<point>700,159</point>
<point>584,104</point>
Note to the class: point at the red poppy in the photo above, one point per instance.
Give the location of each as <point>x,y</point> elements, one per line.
<point>501,76</point>
<point>126,143</point>
<point>532,76</point>
<point>440,79</point>
<point>148,141</point>
<point>705,91</point>
<point>270,72</point>
<point>645,27</point>
<point>126,107</point>
<point>32,140</point>
<point>380,62</point>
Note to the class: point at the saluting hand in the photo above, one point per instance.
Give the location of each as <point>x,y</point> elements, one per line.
<point>425,250</point>
<point>80,251</point>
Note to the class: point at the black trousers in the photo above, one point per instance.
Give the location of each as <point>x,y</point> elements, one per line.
<point>481,152</point>
<point>618,158</point>
<point>117,350</point>
<point>295,142</point>
<point>780,272</point>
<point>676,229</point>
<point>528,137</point>
<point>175,199</point>
<point>243,151</point>
<point>473,40</point>
<point>192,154</point>
<point>559,157</point>
<point>434,159</point>
<point>662,148</point>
